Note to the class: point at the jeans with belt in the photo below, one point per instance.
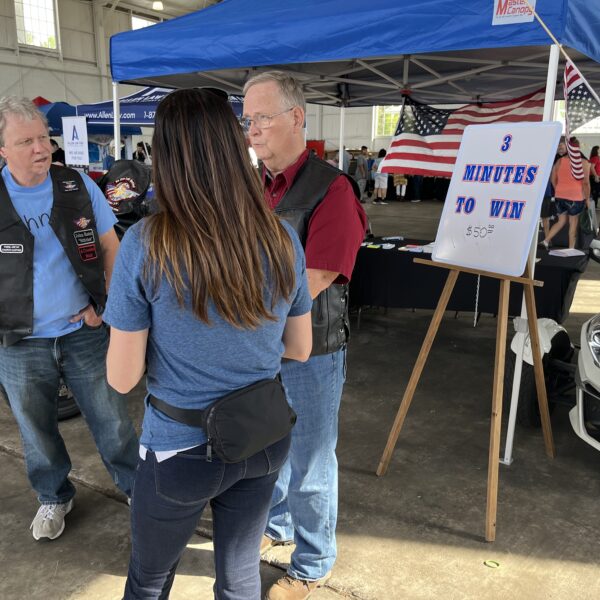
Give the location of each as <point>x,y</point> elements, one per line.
<point>168,499</point>
<point>305,500</point>
<point>30,372</point>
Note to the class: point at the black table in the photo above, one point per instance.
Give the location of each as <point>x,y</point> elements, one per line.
<point>390,278</point>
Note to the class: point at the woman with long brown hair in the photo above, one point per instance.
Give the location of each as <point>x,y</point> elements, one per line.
<point>209,293</point>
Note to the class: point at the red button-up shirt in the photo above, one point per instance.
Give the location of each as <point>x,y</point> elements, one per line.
<point>335,229</point>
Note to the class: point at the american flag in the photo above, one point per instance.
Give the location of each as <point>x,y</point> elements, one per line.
<point>427,139</point>
<point>581,106</point>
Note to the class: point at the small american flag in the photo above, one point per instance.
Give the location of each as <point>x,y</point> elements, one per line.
<point>427,139</point>
<point>581,106</point>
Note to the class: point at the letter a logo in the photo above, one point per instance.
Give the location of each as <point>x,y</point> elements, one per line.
<point>75,135</point>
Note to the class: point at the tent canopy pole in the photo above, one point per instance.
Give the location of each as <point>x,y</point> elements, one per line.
<point>117,120</point>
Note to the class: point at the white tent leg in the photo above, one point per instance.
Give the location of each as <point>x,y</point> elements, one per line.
<point>521,324</point>
<point>117,120</point>
<point>341,152</point>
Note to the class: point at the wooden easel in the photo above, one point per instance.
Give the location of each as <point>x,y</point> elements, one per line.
<point>496,421</point>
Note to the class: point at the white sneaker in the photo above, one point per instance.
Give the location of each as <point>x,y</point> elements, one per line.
<point>49,522</point>
<point>382,202</point>
<point>416,200</point>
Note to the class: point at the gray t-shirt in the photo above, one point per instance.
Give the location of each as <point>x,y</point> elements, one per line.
<point>362,170</point>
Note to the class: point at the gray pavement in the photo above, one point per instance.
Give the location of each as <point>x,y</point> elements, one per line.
<point>417,533</point>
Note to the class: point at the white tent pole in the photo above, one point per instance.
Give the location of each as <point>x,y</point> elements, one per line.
<point>521,322</point>
<point>116,120</point>
<point>341,151</point>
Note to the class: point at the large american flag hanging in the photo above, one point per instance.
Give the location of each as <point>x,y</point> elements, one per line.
<point>427,139</point>
<point>581,106</point>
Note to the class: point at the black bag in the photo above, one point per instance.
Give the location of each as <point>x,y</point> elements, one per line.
<point>585,221</point>
<point>242,423</point>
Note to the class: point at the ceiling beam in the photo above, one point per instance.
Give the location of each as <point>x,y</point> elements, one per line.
<point>433,72</point>
<point>381,74</point>
<point>454,76</point>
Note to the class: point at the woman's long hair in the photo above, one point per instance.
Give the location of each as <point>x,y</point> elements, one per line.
<point>214,234</point>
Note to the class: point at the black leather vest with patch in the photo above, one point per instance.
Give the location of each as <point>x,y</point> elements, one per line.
<point>72,219</point>
<point>330,324</point>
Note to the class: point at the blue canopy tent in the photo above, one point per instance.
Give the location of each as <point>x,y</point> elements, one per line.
<point>138,108</point>
<point>360,54</point>
<point>56,110</point>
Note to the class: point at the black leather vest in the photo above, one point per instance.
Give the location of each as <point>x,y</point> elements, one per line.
<point>330,324</point>
<point>73,222</point>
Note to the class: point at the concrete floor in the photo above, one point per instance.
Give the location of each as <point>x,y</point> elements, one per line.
<point>418,532</point>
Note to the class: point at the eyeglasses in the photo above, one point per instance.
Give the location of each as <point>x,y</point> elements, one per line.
<point>260,121</point>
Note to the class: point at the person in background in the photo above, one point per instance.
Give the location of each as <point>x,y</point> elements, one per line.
<point>322,204</point>
<point>58,154</point>
<point>140,152</point>
<point>548,211</point>
<point>381,179</point>
<point>210,292</point>
<point>53,295</point>
<point>417,186</point>
<point>362,171</point>
<point>571,196</point>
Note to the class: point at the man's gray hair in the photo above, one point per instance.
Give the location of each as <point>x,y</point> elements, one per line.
<point>23,107</point>
<point>290,88</point>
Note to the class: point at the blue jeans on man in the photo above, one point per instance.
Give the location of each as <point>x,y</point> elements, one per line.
<point>305,499</point>
<point>168,499</point>
<point>30,372</point>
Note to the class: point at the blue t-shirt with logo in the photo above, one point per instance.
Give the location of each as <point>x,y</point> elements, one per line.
<point>191,363</point>
<point>58,294</point>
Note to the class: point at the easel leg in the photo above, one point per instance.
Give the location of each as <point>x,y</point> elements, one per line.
<point>538,369</point>
<point>416,373</point>
<point>496,421</point>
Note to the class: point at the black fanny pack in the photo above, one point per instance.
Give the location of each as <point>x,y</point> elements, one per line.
<point>240,424</point>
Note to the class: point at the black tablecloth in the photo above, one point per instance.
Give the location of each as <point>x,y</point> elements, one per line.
<point>390,278</point>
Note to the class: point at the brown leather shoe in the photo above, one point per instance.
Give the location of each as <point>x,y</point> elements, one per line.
<point>265,543</point>
<point>290,588</point>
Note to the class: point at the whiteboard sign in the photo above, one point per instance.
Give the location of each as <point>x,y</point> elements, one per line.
<point>76,141</point>
<point>495,196</point>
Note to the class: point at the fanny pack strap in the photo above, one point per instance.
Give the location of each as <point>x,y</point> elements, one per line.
<point>190,416</point>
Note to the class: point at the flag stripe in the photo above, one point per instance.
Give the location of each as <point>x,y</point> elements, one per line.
<point>431,159</point>
<point>579,106</point>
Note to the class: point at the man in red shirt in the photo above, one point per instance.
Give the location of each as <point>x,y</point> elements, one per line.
<point>322,204</point>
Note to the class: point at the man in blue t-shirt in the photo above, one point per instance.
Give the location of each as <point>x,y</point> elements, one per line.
<point>57,249</point>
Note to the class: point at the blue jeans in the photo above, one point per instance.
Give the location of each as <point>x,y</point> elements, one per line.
<point>305,500</point>
<point>29,373</point>
<point>169,498</point>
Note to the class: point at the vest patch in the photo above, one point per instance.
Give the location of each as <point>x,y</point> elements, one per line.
<point>69,186</point>
<point>82,222</point>
<point>122,189</point>
<point>88,252</point>
<point>84,237</point>
<point>11,248</point>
